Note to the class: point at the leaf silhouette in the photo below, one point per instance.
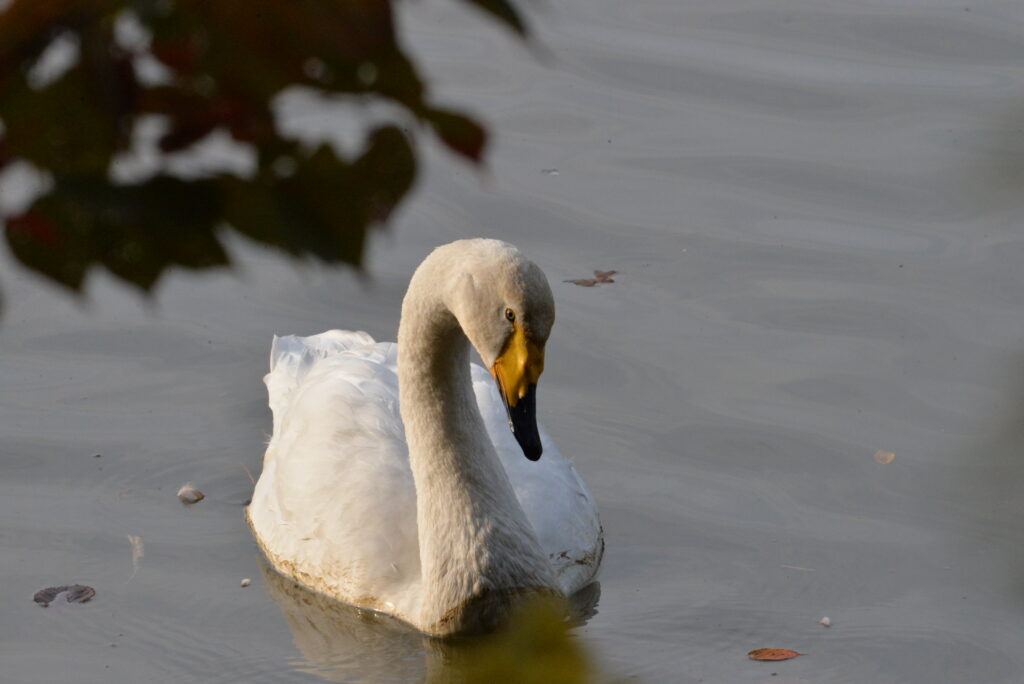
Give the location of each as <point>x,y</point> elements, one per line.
<point>222,65</point>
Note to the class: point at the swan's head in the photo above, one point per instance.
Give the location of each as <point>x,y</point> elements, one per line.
<point>504,305</point>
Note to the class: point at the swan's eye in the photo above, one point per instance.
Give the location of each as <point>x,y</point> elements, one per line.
<point>510,315</point>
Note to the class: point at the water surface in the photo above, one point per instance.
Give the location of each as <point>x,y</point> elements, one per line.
<point>815,209</point>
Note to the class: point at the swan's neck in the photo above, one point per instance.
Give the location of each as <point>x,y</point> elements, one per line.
<point>477,549</point>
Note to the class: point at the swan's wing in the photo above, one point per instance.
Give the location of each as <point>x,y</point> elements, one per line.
<point>552,494</point>
<point>292,356</point>
<point>335,504</point>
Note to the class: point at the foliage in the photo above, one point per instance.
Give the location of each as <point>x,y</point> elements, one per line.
<point>202,67</point>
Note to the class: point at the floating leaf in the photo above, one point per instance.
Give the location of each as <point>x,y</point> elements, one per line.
<point>884,457</point>
<point>773,654</point>
<point>599,277</point>
<point>76,593</point>
<point>189,494</point>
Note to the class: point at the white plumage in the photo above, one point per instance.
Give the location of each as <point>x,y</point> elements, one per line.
<point>336,504</point>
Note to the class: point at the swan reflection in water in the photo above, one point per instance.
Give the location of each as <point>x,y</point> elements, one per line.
<point>341,643</point>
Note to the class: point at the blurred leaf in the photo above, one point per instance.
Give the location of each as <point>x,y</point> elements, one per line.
<point>76,124</point>
<point>225,62</point>
<point>135,231</point>
<point>325,205</point>
<point>460,133</point>
<point>504,11</point>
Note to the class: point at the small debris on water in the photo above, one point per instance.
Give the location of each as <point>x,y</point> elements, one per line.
<point>98,456</point>
<point>599,277</point>
<point>76,593</point>
<point>246,582</point>
<point>189,494</point>
<point>773,654</point>
<point>884,457</point>
<point>549,172</point>
<point>138,551</point>
<point>826,621</point>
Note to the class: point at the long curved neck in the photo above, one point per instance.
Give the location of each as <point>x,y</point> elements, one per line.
<point>475,541</point>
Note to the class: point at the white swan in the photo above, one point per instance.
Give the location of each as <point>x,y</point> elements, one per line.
<point>392,480</point>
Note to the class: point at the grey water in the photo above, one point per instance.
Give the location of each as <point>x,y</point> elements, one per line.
<point>815,209</point>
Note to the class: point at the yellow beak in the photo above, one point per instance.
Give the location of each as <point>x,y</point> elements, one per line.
<point>516,370</point>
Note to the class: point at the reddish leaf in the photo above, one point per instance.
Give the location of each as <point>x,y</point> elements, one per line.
<point>599,277</point>
<point>773,654</point>
<point>460,133</point>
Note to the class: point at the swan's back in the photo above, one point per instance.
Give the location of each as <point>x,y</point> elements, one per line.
<point>335,507</point>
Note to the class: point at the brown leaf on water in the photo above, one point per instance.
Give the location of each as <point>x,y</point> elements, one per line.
<point>599,277</point>
<point>884,457</point>
<point>76,593</point>
<point>773,654</point>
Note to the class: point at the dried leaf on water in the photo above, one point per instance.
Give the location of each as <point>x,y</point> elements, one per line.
<point>138,551</point>
<point>884,457</point>
<point>773,654</point>
<point>76,593</point>
<point>189,494</point>
<point>599,277</point>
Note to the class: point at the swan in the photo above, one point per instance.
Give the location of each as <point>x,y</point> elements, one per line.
<point>395,477</point>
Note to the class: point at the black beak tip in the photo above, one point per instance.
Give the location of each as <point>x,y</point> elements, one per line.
<point>522,419</point>
<point>532,450</point>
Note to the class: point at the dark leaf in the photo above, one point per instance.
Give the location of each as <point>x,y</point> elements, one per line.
<point>76,593</point>
<point>225,61</point>
<point>326,205</point>
<point>386,172</point>
<point>459,132</point>
<point>503,10</point>
<point>135,231</point>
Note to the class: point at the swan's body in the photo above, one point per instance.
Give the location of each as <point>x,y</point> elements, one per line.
<point>393,482</point>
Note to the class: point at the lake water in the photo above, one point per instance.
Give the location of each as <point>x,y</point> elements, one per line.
<point>816,211</point>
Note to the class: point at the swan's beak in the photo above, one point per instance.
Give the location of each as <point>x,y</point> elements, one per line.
<point>516,371</point>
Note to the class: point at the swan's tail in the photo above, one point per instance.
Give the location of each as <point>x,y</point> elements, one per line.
<point>292,356</point>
